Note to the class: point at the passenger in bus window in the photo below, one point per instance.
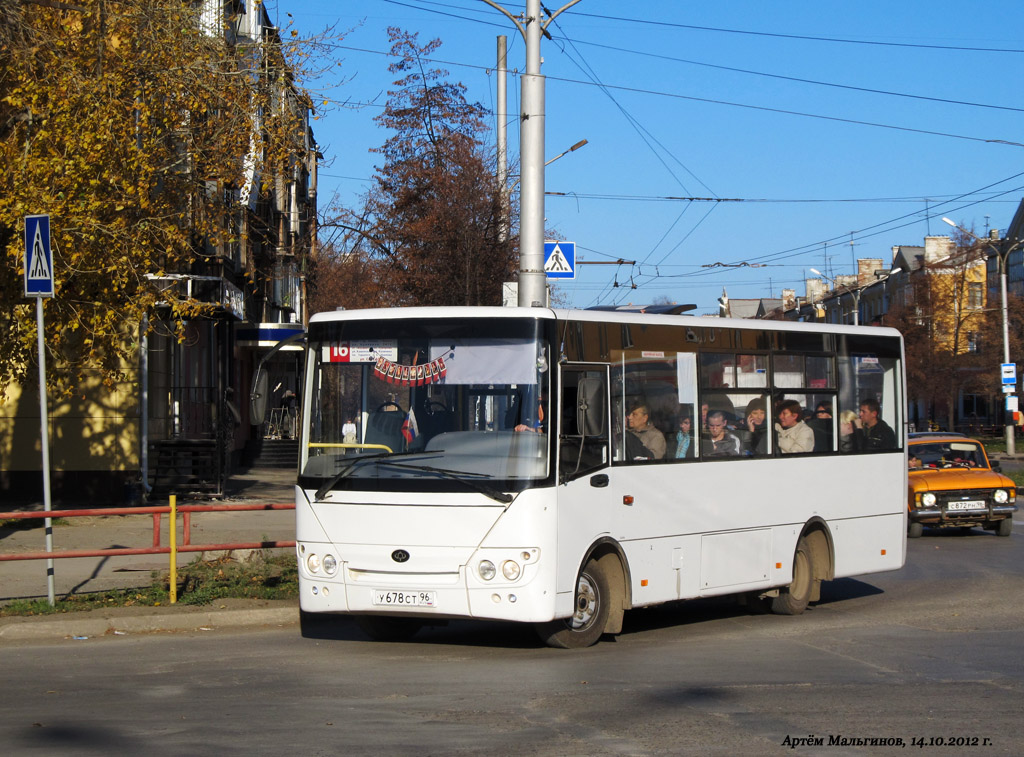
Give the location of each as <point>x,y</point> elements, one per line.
<point>639,420</point>
<point>877,433</point>
<point>681,445</point>
<point>703,417</point>
<point>821,425</point>
<point>720,441</point>
<point>851,437</point>
<point>754,420</point>
<point>794,435</point>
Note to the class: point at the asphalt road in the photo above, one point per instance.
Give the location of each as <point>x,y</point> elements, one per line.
<point>932,652</point>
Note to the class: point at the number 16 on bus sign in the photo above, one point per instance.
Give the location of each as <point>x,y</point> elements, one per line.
<point>38,257</point>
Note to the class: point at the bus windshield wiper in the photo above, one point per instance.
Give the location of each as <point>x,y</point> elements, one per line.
<point>349,465</point>
<point>454,475</point>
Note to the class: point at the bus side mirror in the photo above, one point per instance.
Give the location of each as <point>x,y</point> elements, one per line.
<point>590,407</point>
<point>258,396</point>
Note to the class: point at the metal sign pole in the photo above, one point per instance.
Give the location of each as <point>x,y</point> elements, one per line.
<point>39,284</point>
<point>44,429</point>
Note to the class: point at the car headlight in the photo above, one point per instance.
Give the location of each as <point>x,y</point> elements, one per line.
<point>330,565</point>
<point>313,562</point>
<point>510,569</point>
<point>927,499</point>
<point>486,570</point>
<point>1001,496</point>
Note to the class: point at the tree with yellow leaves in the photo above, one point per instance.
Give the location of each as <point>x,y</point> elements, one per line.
<point>134,125</point>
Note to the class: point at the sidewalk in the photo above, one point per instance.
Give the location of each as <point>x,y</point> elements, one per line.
<point>26,579</point>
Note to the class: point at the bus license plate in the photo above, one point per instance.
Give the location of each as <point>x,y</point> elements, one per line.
<point>966,506</point>
<point>392,598</point>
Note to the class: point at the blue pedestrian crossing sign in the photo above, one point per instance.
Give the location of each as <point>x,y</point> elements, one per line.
<point>560,260</point>
<point>38,258</point>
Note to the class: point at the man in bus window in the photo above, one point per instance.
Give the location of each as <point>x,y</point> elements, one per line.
<point>793,434</point>
<point>720,441</point>
<point>639,420</point>
<point>877,433</point>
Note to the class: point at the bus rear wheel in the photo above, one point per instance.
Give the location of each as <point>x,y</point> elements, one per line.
<point>585,626</point>
<point>381,628</point>
<point>793,599</point>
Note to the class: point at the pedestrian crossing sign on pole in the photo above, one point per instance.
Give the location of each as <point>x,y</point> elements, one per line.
<point>38,257</point>
<point>560,260</point>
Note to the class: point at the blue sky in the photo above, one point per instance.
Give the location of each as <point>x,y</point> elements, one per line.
<point>779,110</point>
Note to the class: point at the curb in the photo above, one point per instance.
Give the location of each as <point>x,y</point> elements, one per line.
<point>106,624</point>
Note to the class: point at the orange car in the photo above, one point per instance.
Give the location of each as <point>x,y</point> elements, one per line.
<point>952,484</point>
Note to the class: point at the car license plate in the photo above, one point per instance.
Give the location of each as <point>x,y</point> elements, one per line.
<point>966,506</point>
<point>393,598</point>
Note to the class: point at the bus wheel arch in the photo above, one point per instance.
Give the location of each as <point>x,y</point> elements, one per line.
<point>812,563</point>
<point>600,599</point>
<point>819,539</point>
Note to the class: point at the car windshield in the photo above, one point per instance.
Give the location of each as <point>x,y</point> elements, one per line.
<point>949,454</point>
<point>426,408</point>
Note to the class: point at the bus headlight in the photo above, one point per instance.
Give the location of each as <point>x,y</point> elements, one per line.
<point>486,570</point>
<point>927,499</point>
<point>313,562</point>
<point>510,569</point>
<point>330,565</point>
<point>1001,496</point>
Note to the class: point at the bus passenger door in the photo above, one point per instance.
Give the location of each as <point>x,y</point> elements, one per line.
<point>583,424</point>
<point>584,459</point>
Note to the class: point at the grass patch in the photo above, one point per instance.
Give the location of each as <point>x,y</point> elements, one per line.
<point>262,576</point>
<point>28,524</point>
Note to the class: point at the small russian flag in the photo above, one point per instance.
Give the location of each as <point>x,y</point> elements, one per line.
<point>409,427</point>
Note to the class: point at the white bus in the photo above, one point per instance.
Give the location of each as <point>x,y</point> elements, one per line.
<point>532,465</point>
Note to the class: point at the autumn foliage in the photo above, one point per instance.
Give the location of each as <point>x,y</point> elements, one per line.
<point>428,233</point>
<point>128,125</point>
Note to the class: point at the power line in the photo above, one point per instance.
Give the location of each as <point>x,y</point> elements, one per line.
<point>809,38</point>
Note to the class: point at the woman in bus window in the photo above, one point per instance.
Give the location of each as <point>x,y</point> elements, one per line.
<point>793,434</point>
<point>681,445</point>
<point>849,434</point>
<point>755,416</point>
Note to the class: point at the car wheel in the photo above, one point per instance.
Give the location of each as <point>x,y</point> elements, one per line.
<point>793,599</point>
<point>1005,527</point>
<point>914,530</point>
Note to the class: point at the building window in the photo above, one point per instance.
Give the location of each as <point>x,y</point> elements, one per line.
<point>975,295</point>
<point>973,341</point>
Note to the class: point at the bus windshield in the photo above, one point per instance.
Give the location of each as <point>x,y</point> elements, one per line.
<point>434,406</point>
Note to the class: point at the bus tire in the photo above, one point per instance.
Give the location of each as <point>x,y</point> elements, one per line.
<point>383,628</point>
<point>793,599</point>
<point>1005,527</point>
<point>593,603</point>
<point>914,530</point>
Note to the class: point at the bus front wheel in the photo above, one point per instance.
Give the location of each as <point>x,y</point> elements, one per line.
<point>793,599</point>
<point>584,628</point>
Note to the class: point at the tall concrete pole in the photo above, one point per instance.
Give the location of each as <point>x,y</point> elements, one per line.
<point>502,130</point>
<point>532,279</point>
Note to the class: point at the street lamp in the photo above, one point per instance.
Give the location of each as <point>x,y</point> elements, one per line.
<point>1002,256</point>
<point>562,154</point>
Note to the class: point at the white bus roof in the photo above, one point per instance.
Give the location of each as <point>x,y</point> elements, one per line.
<point>596,316</point>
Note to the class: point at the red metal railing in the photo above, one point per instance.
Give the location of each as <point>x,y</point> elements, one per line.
<point>157,548</point>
